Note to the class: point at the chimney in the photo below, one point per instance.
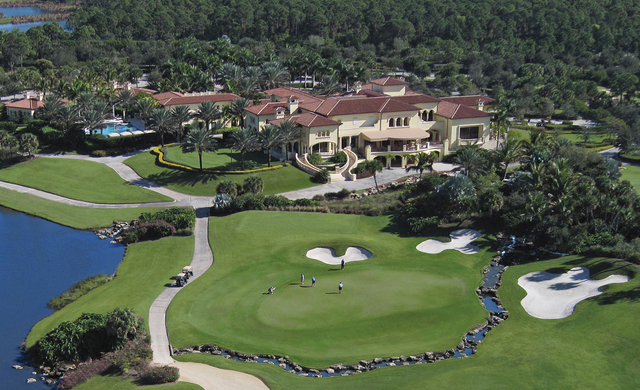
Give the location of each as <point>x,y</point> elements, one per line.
<point>357,86</point>
<point>40,96</point>
<point>273,98</point>
<point>480,104</point>
<point>280,112</point>
<point>292,104</point>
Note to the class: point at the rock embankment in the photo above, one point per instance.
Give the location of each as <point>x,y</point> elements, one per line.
<point>114,232</point>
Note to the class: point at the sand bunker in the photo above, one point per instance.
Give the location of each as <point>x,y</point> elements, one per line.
<point>460,241</point>
<point>328,256</point>
<point>554,296</point>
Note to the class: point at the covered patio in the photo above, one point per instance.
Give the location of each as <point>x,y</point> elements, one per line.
<point>397,140</point>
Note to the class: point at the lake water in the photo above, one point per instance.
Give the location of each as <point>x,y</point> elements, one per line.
<point>21,11</point>
<point>38,261</point>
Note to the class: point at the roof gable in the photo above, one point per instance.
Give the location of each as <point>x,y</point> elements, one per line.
<point>459,111</point>
<point>388,81</point>
<point>359,105</point>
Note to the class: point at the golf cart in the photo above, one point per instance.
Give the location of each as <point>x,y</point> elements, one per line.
<point>188,270</point>
<point>181,279</point>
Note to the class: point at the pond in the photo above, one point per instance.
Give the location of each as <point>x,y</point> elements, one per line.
<point>22,11</point>
<point>39,261</point>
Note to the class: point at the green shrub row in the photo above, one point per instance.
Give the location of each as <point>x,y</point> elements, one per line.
<point>77,290</point>
<point>181,218</point>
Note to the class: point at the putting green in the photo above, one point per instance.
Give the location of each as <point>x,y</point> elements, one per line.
<point>399,302</point>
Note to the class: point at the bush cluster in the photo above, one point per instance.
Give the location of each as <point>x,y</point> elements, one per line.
<point>178,217</point>
<point>322,177</point>
<point>77,290</point>
<point>164,223</point>
<point>159,375</point>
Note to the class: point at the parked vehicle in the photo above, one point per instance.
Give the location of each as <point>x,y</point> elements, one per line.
<point>188,270</point>
<point>181,279</point>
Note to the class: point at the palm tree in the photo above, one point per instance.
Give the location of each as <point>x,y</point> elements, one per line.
<point>270,138</point>
<point>49,108</point>
<point>274,74</point>
<point>510,151</point>
<point>253,184</point>
<point>145,108</point>
<point>125,98</point>
<point>181,114</point>
<point>28,143</point>
<point>373,167</point>
<point>92,120</point>
<point>102,108</point>
<point>244,140</point>
<point>199,140</point>
<point>208,112</point>
<point>85,101</point>
<point>470,161</point>
<point>66,118</point>
<point>236,109</point>
<point>330,84</point>
<point>246,86</point>
<point>423,161</point>
<point>162,121</point>
<point>290,132</point>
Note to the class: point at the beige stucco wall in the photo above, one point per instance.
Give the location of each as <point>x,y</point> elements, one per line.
<point>391,90</point>
<point>454,129</point>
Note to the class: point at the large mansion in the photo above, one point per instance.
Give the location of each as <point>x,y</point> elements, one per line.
<point>382,119</point>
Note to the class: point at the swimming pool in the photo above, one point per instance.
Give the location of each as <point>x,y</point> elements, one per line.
<point>117,128</point>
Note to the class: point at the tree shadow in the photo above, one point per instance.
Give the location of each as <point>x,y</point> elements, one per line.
<point>182,178</point>
<point>542,276</point>
<point>564,286</point>
<point>632,295</point>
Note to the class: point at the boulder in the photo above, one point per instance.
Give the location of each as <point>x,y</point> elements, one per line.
<point>31,380</point>
<point>330,371</point>
<point>17,367</point>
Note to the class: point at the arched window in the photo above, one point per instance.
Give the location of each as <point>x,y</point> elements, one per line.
<point>399,122</point>
<point>425,116</point>
<point>406,121</point>
<point>391,122</point>
<point>431,115</point>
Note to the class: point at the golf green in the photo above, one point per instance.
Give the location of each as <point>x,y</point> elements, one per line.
<point>399,302</point>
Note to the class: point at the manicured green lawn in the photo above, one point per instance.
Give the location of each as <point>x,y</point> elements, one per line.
<point>399,302</point>
<point>195,183</point>
<point>632,173</point>
<point>73,216</point>
<point>595,347</point>
<point>118,383</point>
<point>143,274</point>
<point>78,179</point>
<point>223,159</point>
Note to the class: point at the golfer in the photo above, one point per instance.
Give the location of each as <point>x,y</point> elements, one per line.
<point>302,279</point>
<point>313,281</point>
<point>342,265</point>
<point>340,288</point>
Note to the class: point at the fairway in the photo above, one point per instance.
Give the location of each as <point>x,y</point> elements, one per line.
<point>632,173</point>
<point>204,184</point>
<point>399,302</point>
<point>77,179</point>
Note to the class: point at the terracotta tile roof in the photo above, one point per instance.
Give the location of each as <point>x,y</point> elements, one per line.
<point>370,93</point>
<point>184,100</point>
<point>459,111</point>
<point>417,98</point>
<point>469,100</point>
<point>285,92</point>
<point>386,81</point>
<point>27,104</point>
<point>358,105</point>
<point>266,109</point>
<point>309,119</point>
<point>146,90</point>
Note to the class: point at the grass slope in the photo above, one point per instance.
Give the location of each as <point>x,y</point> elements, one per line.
<point>78,179</point>
<point>108,382</point>
<point>632,173</point>
<point>146,269</point>
<point>194,183</point>
<point>592,348</point>
<point>72,216</point>
<point>400,301</point>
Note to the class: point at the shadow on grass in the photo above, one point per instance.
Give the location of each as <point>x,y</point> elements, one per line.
<point>332,293</point>
<point>632,295</point>
<point>182,178</point>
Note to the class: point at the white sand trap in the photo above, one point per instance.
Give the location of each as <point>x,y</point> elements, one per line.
<point>460,241</point>
<point>554,296</point>
<point>328,256</point>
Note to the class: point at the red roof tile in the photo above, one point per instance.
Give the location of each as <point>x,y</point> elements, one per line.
<point>27,104</point>
<point>309,119</point>
<point>266,109</point>
<point>358,105</point>
<point>469,100</point>
<point>416,99</point>
<point>184,100</point>
<point>386,81</point>
<point>459,111</point>
<point>370,93</point>
<point>285,92</point>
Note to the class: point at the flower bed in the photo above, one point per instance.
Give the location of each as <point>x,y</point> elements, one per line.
<point>162,161</point>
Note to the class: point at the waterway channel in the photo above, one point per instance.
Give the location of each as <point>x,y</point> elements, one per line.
<point>38,261</point>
